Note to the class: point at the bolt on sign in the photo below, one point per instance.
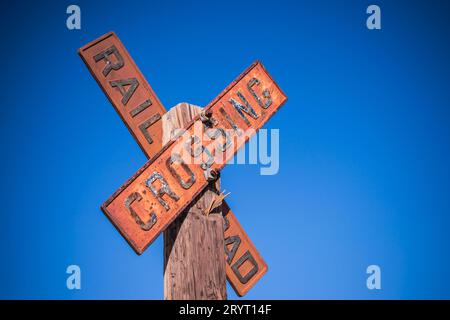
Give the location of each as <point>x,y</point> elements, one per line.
<point>153,197</point>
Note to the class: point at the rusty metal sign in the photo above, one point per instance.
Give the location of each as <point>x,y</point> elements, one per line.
<point>115,58</point>
<point>151,199</point>
<point>244,264</point>
<point>126,88</point>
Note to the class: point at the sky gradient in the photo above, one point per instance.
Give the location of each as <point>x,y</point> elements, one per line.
<point>364,143</point>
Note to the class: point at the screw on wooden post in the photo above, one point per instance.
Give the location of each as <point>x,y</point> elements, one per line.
<point>194,264</point>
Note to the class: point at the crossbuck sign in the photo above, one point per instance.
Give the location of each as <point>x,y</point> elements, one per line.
<point>177,172</point>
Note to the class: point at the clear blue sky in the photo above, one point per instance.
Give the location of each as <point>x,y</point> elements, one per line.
<point>364,174</point>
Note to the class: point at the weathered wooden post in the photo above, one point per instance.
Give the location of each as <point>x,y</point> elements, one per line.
<point>194,267</point>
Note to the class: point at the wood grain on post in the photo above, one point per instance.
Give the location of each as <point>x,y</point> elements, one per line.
<point>194,263</point>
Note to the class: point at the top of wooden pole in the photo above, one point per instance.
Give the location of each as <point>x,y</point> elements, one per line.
<point>194,248</point>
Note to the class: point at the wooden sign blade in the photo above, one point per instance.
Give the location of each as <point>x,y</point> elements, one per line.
<point>150,200</point>
<point>127,90</point>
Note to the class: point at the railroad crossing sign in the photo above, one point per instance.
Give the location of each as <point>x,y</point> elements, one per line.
<point>153,197</point>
